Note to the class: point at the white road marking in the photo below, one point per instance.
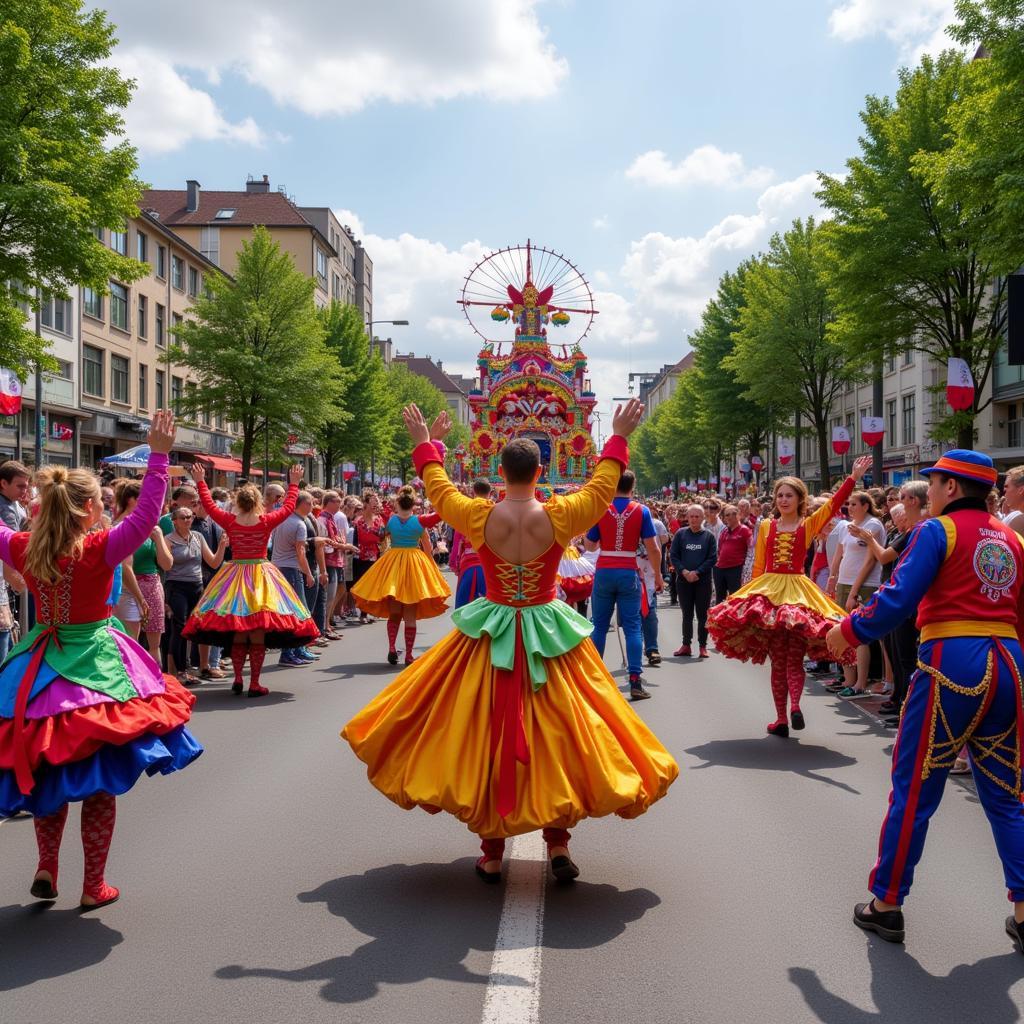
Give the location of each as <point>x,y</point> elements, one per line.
<point>513,987</point>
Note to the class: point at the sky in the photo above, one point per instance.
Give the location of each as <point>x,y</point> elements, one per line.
<point>656,143</point>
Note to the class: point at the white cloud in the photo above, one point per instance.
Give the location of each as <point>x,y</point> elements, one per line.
<point>706,165</point>
<point>915,26</point>
<point>328,59</point>
<point>600,223</point>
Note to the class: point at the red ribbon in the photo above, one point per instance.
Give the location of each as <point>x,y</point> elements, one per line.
<point>22,765</point>
<point>507,729</point>
<point>645,601</point>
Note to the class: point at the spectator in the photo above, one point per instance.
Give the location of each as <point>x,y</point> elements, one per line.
<point>734,543</point>
<point>14,494</point>
<point>288,542</point>
<point>694,552</point>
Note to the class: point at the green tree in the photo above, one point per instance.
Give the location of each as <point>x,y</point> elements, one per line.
<point>983,168</point>
<point>785,355</point>
<point>651,468</point>
<point>685,443</point>
<point>60,178</point>
<point>257,351</point>
<point>906,271</point>
<point>406,387</point>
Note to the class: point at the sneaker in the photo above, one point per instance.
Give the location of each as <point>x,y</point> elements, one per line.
<point>686,651</point>
<point>301,658</point>
<point>653,658</point>
<point>305,652</point>
<point>849,693</point>
<point>704,653</point>
<point>886,924</point>
<point>289,659</point>
<point>1016,932</point>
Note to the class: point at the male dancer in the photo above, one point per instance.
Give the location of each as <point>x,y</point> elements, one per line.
<point>617,579</point>
<point>963,571</point>
<point>465,561</point>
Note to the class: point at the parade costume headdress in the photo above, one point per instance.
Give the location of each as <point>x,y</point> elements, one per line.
<point>965,465</point>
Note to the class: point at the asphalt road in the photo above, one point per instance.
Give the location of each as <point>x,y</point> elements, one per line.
<point>271,883</point>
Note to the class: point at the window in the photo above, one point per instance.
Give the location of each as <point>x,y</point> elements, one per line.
<point>177,272</point>
<point>143,386</point>
<point>142,317</point>
<point>209,244</point>
<point>119,368</point>
<point>118,306</point>
<point>92,303</point>
<point>119,242</point>
<point>321,265</point>
<point>335,286</point>
<point>158,379</point>
<point>220,421</point>
<point>909,414</point>
<point>141,247</point>
<point>225,214</point>
<point>890,364</point>
<point>64,370</point>
<point>161,262</point>
<point>176,383</point>
<point>98,232</point>
<point>193,282</point>
<point>158,318</point>
<point>890,421</point>
<point>908,357</point>
<point>92,370</point>
<point>849,386</point>
<point>56,314</point>
<point>1012,425</point>
<point>190,390</point>
<point>175,324</point>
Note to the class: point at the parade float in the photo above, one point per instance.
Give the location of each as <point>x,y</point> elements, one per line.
<point>529,387</point>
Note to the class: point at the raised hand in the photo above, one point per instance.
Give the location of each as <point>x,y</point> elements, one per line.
<point>416,424</point>
<point>161,432</point>
<point>198,472</point>
<point>441,425</point>
<point>627,417</point>
<point>294,474</point>
<point>860,467</point>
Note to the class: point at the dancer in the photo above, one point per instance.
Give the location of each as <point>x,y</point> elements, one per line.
<point>512,722</point>
<point>465,561</point>
<point>575,576</point>
<point>249,606</point>
<point>404,584</point>
<point>780,613</point>
<point>962,572</point>
<point>84,710</point>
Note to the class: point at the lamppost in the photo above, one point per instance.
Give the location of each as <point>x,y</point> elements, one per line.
<point>369,331</point>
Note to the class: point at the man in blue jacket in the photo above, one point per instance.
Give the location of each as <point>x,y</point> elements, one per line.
<point>694,553</point>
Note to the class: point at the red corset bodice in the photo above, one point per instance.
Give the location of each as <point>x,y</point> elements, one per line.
<point>786,551</point>
<point>534,582</point>
<point>80,595</point>
<point>249,542</point>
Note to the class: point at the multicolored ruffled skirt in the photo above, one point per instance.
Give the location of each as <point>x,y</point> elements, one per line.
<point>84,709</point>
<point>407,575</point>
<point>246,595</point>
<point>511,723</point>
<point>575,576</point>
<point>742,627</point>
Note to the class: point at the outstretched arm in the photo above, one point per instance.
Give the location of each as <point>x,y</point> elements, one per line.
<point>814,522</point>
<point>278,516</point>
<point>213,510</point>
<point>454,508</point>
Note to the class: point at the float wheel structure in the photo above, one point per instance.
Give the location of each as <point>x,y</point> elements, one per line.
<point>490,290</point>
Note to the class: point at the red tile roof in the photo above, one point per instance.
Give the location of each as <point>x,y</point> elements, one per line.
<point>271,208</point>
<point>426,367</point>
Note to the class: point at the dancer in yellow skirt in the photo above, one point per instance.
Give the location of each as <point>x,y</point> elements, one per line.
<point>512,722</point>
<point>405,582</point>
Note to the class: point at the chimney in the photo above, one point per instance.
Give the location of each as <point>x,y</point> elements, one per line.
<point>252,186</point>
<point>192,201</point>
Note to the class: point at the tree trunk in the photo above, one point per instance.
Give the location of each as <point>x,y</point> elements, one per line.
<point>246,453</point>
<point>965,433</point>
<point>826,478</point>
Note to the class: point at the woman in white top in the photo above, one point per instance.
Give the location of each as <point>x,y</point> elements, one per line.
<point>1013,499</point>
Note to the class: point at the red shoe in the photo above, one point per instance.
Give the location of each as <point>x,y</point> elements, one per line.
<point>255,690</point>
<point>410,658</point>
<point>686,651</point>
<point>704,652</point>
<point>779,729</point>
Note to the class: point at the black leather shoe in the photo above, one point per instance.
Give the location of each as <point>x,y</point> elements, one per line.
<point>637,692</point>
<point>886,924</point>
<point>1016,932</point>
<point>564,870</point>
<point>392,657</point>
<point>796,719</point>
<point>778,729</point>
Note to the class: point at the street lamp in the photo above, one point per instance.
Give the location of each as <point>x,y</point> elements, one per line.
<point>369,331</point>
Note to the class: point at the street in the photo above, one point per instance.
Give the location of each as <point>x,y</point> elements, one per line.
<point>271,883</point>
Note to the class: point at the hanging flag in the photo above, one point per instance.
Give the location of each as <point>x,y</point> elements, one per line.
<point>756,463</point>
<point>872,429</point>
<point>702,481</point>
<point>10,393</point>
<point>840,440</point>
<point>726,476</point>
<point>786,451</point>
<point>744,465</point>
<point>348,470</point>
<point>959,385</point>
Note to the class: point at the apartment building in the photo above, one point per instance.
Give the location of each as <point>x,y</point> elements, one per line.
<point>433,371</point>
<point>660,386</point>
<point>126,335</point>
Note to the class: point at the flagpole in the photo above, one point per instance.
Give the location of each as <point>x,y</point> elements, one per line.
<point>39,387</point>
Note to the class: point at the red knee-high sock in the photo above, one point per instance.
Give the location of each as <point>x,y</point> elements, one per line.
<point>238,652</point>
<point>49,831</point>
<point>99,812</point>
<point>410,639</point>
<point>393,625</point>
<point>257,652</point>
<point>494,849</point>
<point>795,676</point>
<point>780,690</point>
<point>556,837</point>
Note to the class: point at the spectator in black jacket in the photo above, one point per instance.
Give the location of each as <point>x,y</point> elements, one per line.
<point>694,551</point>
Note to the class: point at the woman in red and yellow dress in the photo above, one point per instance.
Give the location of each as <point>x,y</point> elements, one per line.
<point>780,613</point>
<point>512,722</point>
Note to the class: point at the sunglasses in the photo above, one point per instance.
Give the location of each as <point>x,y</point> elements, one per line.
<point>189,516</point>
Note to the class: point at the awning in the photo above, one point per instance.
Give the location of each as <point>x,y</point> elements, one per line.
<point>225,465</point>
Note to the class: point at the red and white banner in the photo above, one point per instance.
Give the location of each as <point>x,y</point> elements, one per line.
<point>348,470</point>
<point>10,393</point>
<point>702,481</point>
<point>714,481</point>
<point>786,451</point>
<point>840,440</point>
<point>872,429</point>
<point>756,463</point>
<point>744,465</point>
<point>726,475</point>
<point>959,385</point>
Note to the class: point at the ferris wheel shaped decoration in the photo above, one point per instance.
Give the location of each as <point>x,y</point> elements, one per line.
<point>532,286</point>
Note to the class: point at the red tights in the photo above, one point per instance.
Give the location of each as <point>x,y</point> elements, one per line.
<point>494,849</point>
<point>257,653</point>
<point>787,657</point>
<point>99,813</point>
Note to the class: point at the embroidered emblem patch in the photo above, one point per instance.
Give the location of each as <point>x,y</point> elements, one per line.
<point>996,567</point>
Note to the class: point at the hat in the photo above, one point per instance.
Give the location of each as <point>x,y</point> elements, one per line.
<point>966,465</point>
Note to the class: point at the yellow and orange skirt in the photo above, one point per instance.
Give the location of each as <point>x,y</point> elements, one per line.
<point>406,575</point>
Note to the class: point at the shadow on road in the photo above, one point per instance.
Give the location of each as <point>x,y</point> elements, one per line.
<point>41,942</point>
<point>224,700</point>
<point>769,753</point>
<point>426,918</point>
<point>902,990</point>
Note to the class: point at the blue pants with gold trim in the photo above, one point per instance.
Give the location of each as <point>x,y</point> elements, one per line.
<point>966,690</point>
<point>471,585</point>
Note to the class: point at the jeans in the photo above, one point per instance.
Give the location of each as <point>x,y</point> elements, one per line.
<point>182,597</point>
<point>316,601</point>
<point>695,597</point>
<point>650,624</point>
<point>727,581</point>
<point>621,588</point>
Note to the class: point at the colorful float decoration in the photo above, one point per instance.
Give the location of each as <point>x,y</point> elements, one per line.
<point>528,388</point>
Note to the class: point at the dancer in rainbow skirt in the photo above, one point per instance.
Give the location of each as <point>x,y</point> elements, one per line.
<point>512,723</point>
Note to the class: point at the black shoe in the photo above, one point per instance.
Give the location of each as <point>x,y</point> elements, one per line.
<point>778,729</point>
<point>886,924</point>
<point>43,889</point>
<point>637,692</point>
<point>489,877</point>
<point>236,689</point>
<point>563,868</point>
<point>796,718</point>
<point>653,658</point>
<point>392,657</point>
<point>887,707</point>
<point>893,722</point>
<point>1016,932</point>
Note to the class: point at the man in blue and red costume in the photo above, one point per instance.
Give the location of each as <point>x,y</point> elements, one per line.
<point>617,579</point>
<point>963,571</point>
<point>465,561</point>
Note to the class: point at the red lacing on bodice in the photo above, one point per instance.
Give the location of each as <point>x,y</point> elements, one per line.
<point>249,541</point>
<point>786,551</point>
<point>534,582</point>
